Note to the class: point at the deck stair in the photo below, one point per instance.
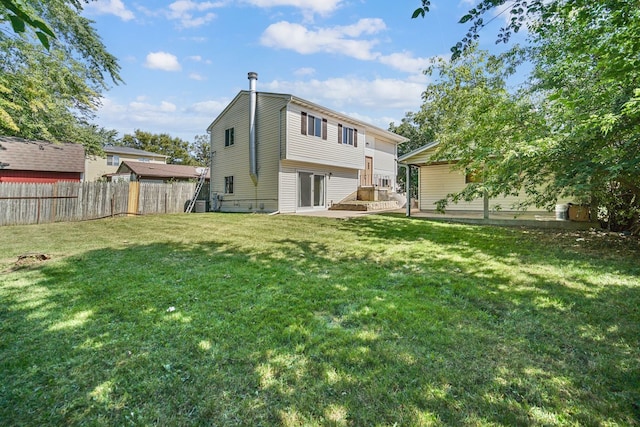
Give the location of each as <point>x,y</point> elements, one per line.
<point>201,180</point>
<point>364,205</point>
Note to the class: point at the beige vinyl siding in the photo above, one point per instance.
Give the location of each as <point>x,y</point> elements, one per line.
<point>384,161</point>
<point>96,167</point>
<point>234,160</point>
<point>313,149</point>
<point>436,181</point>
<point>339,183</point>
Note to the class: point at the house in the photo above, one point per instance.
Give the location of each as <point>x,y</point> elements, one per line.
<point>97,167</point>
<point>156,172</point>
<point>24,160</point>
<point>277,152</point>
<point>438,179</point>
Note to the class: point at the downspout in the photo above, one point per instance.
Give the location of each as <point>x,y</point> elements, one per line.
<point>253,161</point>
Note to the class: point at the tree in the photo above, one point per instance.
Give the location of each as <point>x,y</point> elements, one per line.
<point>483,128</point>
<point>53,94</point>
<point>20,18</point>
<point>176,148</point>
<point>586,86</point>
<point>419,134</point>
<point>588,68</point>
<point>201,150</point>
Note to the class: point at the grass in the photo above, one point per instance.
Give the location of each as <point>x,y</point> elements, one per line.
<point>215,319</point>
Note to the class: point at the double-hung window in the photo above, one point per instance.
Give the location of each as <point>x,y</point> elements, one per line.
<point>313,126</point>
<point>229,137</point>
<point>347,135</point>
<point>113,160</point>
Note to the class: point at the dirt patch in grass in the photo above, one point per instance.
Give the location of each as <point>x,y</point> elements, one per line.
<point>29,260</point>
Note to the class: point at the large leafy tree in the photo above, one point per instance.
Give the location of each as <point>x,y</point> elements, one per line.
<point>201,150</point>
<point>52,93</point>
<point>483,128</point>
<point>586,85</point>
<point>176,148</point>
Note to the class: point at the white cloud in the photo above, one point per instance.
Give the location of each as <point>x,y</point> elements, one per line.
<point>163,107</point>
<point>305,71</point>
<point>405,61</point>
<point>110,7</point>
<point>162,61</point>
<point>354,93</point>
<point>165,117</point>
<point>321,7</point>
<point>196,76</point>
<point>185,11</point>
<point>340,39</point>
<point>209,108</point>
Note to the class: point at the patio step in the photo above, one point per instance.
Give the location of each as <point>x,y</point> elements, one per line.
<point>360,205</point>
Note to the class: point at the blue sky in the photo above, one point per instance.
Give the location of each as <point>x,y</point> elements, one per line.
<point>183,61</point>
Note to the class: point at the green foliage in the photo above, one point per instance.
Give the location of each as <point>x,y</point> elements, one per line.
<point>419,134</point>
<point>20,17</point>
<point>586,63</point>
<point>52,94</point>
<point>177,149</point>
<point>586,86</point>
<point>201,150</point>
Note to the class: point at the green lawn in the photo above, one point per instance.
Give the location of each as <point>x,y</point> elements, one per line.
<point>216,319</point>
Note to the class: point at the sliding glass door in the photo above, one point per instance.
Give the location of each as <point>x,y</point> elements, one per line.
<point>311,190</point>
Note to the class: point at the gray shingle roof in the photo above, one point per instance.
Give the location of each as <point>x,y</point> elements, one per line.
<point>22,154</point>
<point>156,170</point>
<point>114,149</point>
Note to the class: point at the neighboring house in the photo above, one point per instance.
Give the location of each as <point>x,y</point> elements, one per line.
<point>277,152</point>
<point>158,173</point>
<point>98,167</point>
<point>24,160</point>
<point>437,179</point>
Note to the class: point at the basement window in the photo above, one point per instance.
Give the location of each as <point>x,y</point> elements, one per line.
<point>228,184</point>
<point>229,137</point>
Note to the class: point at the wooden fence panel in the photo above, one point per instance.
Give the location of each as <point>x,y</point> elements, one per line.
<point>26,203</point>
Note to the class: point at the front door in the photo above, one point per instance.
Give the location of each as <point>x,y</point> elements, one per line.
<point>311,191</point>
<point>366,175</point>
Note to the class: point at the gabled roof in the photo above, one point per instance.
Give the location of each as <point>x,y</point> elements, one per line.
<point>27,155</point>
<point>308,104</point>
<point>418,155</point>
<point>161,171</point>
<point>115,149</point>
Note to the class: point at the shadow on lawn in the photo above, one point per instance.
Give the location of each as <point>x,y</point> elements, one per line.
<point>298,333</point>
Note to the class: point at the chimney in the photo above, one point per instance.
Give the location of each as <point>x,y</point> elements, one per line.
<point>253,162</point>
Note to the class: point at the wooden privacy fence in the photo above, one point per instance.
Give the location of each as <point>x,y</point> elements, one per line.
<point>23,203</point>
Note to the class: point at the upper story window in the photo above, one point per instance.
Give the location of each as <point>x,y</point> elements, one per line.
<point>229,137</point>
<point>313,126</point>
<point>347,135</point>
<point>113,160</point>
<point>144,160</point>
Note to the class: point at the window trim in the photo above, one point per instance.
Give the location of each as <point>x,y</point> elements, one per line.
<point>312,125</point>
<point>111,158</point>
<point>228,184</point>
<point>229,137</point>
<point>347,136</point>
